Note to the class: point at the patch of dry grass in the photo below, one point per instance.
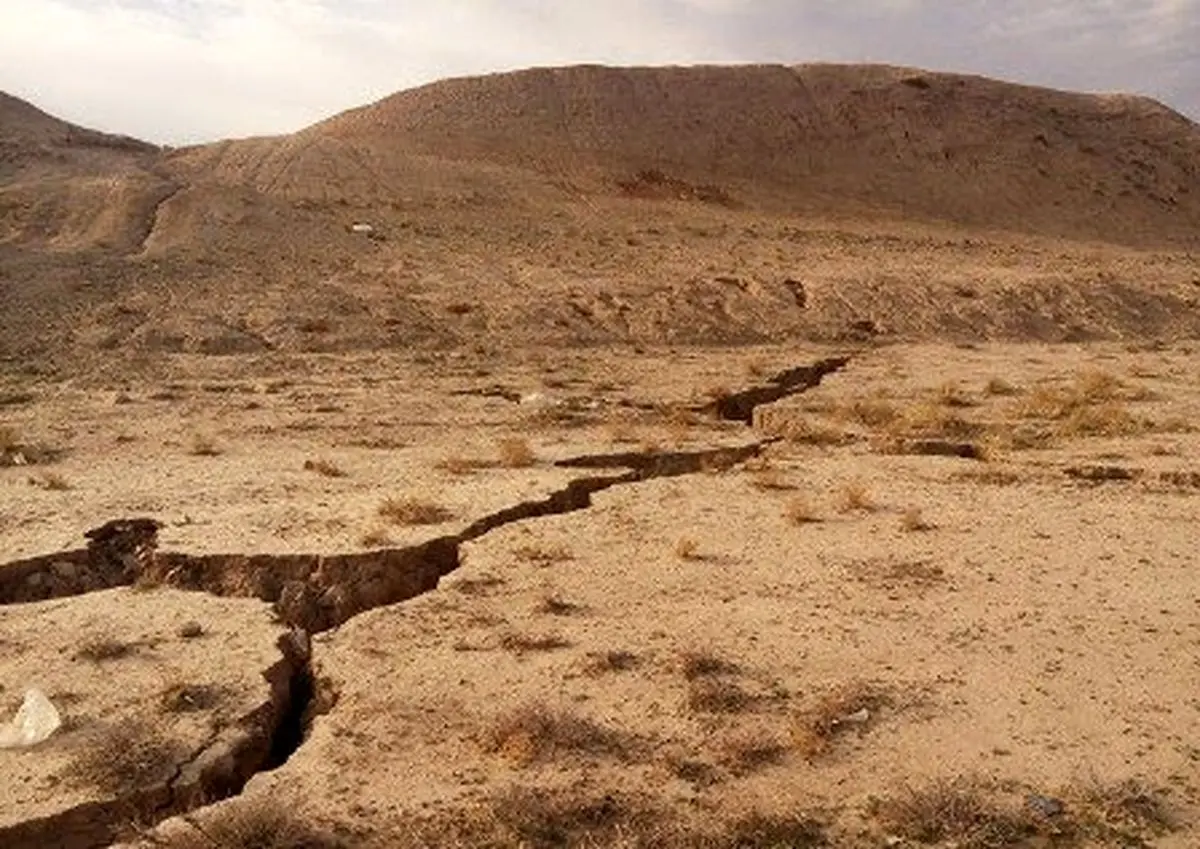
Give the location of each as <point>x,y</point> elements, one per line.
<point>719,695</point>
<point>914,521</point>
<point>801,511</point>
<point>855,496</point>
<point>615,660</point>
<point>537,733</point>
<point>516,453</point>
<point>745,754</point>
<point>543,555</point>
<point>456,464</point>
<point>686,548</point>
<point>998,386</point>
<point>845,708</point>
<point>961,812</point>
<point>414,511</point>
<point>772,480</point>
<point>121,759</point>
<point>104,649</point>
<point>375,538</point>
<point>325,468</point>
<point>51,481</point>
<point>520,644</point>
<point>554,605</point>
<point>705,664</point>
<point>252,824</point>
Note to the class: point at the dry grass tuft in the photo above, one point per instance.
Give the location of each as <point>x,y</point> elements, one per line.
<point>458,465</point>
<point>123,759</point>
<point>537,734</point>
<point>856,496</point>
<point>414,511</point>
<point>541,555</point>
<point>483,585</point>
<point>51,481</point>
<point>189,698</point>
<point>800,511</point>
<point>525,643</point>
<point>719,695</point>
<point>601,663</point>
<point>807,432</point>
<point>264,824</point>
<point>687,548</point>
<point>516,453</point>
<point>1130,805</point>
<point>203,445</point>
<point>913,521</point>
<point>101,650</point>
<point>704,664</point>
<point>751,753</point>
<point>324,468</point>
<point>849,707</point>
<point>375,538</point>
<point>950,394</point>
<point>957,812</point>
<point>772,480</point>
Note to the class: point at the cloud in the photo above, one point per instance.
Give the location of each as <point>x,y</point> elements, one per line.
<point>191,70</point>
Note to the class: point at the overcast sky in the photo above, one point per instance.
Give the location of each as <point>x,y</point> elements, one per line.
<point>176,71</point>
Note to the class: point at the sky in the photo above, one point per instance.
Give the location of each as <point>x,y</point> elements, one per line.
<point>185,71</point>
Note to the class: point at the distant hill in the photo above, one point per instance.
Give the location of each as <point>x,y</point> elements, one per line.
<point>592,204</point>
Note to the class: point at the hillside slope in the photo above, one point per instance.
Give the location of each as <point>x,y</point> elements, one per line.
<point>592,205</point>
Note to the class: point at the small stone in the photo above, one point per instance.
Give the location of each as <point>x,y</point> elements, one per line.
<point>191,630</point>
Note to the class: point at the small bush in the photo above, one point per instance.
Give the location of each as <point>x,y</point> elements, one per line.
<point>844,708</point>
<point>458,465</point>
<point>718,695</point>
<point>262,824</point>
<point>612,661</point>
<point>687,548</point>
<point>959,812</point>
<point>704,664</point>
<point>414,511</point>
<point>747,754</point>
<point>51,481</point>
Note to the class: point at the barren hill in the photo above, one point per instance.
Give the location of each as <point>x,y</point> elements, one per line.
<point>591,204</point>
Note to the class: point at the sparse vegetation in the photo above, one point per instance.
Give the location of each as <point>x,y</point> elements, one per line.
<point>51,481</point>
<point>800,511</point>
<point>120,759</point>
<point>856,496</point>
<point>525,643</point>
<point>615,660</point>
<point>705,664</point>
<point>913,520</point>
<point>252,824</point>
<point>541,555</point>
<point>483,585</point>
<point>456,464</point>
<point>414,511</point>
<point>324,468</point>
<point>687,548</point>
<point>104,649</point>
<point>554,605</point>
<point>1001,387</point>
<point>538,733</point>
<point>844,708</point>
<point>718,695</point>
<point>769,479</point>
<point>375,538</point>
<point>516,453</point>
<point>749,753</point>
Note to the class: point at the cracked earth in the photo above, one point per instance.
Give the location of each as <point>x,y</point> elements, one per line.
<point>448,602</point>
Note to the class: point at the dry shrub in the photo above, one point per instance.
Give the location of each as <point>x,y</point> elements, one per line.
<point>1129,805</point>
<point>414,511</point>
<point>960,812</point>
<point>856,496</point>
<point>950,394</point>
<point>808,432</point>
<point>325,468</point>
<point>252,824</point>
<point>870,412</point>
<point>992,476</point>
<point>483,585</point>
<point>769,480</point>
<point>537,733</point>
<point>543,555</point>
<point>937,422</point>
<point>118,760</point>
<point>847,707</point>
<point>375,538</point>
<point>913,521</point>
<point>800,511</point>
<point>516,453</point>
<point>525,643</point>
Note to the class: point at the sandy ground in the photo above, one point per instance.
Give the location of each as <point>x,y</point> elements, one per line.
<point>827,632</point>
